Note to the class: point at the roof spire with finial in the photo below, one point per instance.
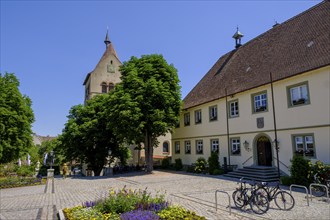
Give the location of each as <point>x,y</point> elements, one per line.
<point>237,36</point>
<point>107,41</point>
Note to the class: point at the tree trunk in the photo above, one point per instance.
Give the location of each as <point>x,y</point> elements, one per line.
<point>149,151</point>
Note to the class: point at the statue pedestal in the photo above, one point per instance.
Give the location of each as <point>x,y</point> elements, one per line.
<point>50,173</point>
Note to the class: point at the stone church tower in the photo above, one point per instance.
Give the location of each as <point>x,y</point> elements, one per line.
<point>102,80</point>
<point>106,73</point>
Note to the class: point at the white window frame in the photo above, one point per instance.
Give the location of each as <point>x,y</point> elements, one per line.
<point>213,112</point>
<point>199,147</point>
<point>304,145</point>
<point>177,147</point>
<point>260,102</point>
<point>235,146</point>
<point>215,145</point>
<point>186,118</point>
<point>233,109</point>
<point>298,94</point>
<point>187,147</point>
<point>168,147</point>
<point>198,116</point>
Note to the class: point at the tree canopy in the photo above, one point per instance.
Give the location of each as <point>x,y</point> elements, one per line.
<point>88,137</point>
<point>16,118</point>
<point>146,103</point>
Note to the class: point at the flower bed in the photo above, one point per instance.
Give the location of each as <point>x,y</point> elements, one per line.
<point>15,181</point>
<point>126,204</point>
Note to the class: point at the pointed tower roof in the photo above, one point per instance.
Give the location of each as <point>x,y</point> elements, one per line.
<point>107,41</point>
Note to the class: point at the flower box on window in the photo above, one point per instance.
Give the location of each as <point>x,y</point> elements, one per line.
<point>213,118</point>
<point>187,151</point>
<point>261,109</point>
<point>299,101</point>
<point>299,152</point>
<point>309,153</point>
<point>235,152</point>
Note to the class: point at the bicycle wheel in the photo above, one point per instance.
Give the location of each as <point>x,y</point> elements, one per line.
<point>284,200</point>
<point>262,191</point>
<point>318,191</point>
<point>238,197</point>
<point>259,204</point>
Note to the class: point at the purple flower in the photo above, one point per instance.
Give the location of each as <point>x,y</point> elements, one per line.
<point>139,215</point>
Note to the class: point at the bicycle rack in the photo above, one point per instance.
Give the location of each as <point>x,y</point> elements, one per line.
<point>300,186</point>
<point>216,200</point>
<point>317,184</point>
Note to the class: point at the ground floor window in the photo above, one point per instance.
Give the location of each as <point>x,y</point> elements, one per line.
<point>215,145</point>
<point>304,145</point>
<point>165,147</point>
<point>187,147</point>
<point>235,146</point>
<point>199,147</point>
<point>177,147</point>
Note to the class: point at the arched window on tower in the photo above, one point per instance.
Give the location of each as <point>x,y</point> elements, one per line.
<point>104,87</point>
<point>111,86</point>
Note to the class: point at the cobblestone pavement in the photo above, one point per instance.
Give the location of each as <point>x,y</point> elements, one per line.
<point>195,192</point>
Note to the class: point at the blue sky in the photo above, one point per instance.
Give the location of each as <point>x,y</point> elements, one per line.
<point>52,45</point>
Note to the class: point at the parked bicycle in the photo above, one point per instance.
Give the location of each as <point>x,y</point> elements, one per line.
<point>318,190</point>
<point>283,199</point>
<point>244,196</point>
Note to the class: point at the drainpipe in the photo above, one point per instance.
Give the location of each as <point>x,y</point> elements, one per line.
<point>275,130</point>
<point>228,141</point>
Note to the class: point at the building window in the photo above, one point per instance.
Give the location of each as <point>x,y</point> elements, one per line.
<point>259,102</point>
<point>111,86</point>
<point>104,87</point>
<point>199,147</point>
<point>235,146</point>
<point>298,94</point>
<point>187,147</point>
<point>198,116</point>
<point>215,145</point>
<point>233,109</point>
<point>165,147</point>
<point>177,147</point>
<point>304,145</point>
<point>186,119</point>
<point>213,113</point>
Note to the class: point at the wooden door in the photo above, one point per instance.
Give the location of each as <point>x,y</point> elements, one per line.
<point>264,152</point>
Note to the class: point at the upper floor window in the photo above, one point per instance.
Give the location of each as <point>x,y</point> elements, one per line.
<point>198,116</point>
<point>304,145</point>
<point>199,147</point>
<point>187,147</point>
<point>111,86</point>
<point>104,87</point>
<point>235,146</point>
<point>259,102</point>
<point>298,94</point>
<point>215,145</point>
<point>233,109</point>
<point>165,147</point>
<point>186,119</point>
<point>213,113</point>
<point>177,147</point>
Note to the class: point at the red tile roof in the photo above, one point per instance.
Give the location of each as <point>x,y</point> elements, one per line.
<point>298,45</point>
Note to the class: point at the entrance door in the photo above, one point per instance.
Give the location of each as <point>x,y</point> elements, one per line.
<point>264,151</point>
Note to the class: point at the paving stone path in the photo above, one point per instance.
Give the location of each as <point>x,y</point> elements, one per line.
<point>195,192</point>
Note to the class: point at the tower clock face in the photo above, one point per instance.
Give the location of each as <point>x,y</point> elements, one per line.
<point>110,68</point>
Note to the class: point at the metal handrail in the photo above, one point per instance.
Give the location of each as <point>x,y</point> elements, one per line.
<point>300,186</point>
<point>216,200</point>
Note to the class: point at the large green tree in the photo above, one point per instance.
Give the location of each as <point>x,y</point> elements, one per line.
<point>88,137</point>
<point>16,118</point>
<point>147,102</point>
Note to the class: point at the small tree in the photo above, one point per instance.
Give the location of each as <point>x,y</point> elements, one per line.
<point>200,165</point>
<point>178,164</point>
<point>213,161</point>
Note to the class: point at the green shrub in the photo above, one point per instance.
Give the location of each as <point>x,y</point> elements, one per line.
<point>286,180</point>
<point>190,169</point>
<point>166,163</point>
<point>214,163</point>
<point>218,172</point>
<point>200,165</point>
<point>177,212</point>
<point>299,170</point>
<point>322,170</point>
<point>26,171</point>
<point>178,164</point>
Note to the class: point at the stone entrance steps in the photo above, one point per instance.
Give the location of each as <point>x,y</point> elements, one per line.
<point>257,173</point>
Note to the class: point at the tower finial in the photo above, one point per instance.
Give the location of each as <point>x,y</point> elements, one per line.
<point>107,41</point>
<point>237,36</point>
